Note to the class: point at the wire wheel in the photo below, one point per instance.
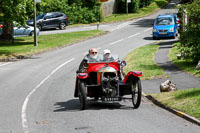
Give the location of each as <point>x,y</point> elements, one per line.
<point>136,93</point>
<point>82,95</point>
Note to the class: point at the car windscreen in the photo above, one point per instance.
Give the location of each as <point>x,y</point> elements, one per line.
<point>40,16</point>
<point>164,21</point>
<point>101,58</point>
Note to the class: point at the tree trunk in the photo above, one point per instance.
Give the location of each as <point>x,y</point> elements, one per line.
<point>7,35</point>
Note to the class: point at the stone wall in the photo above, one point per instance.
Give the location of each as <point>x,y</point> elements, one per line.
<point>109,7</point>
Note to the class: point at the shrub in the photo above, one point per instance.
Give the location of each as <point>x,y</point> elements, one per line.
<point>189,36</point>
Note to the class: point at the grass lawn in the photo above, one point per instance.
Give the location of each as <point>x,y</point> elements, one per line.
<point>157,4</point>
<point>187,101</point>
<point>186,65</point>
<point>142,59</point>
<point>23,46</point>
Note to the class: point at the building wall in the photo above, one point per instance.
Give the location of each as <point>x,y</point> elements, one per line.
<point>109,7</point>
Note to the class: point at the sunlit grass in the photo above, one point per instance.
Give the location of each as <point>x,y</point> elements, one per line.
<point>142,59</point>
<point>24,46</point>
<point>187,101</point>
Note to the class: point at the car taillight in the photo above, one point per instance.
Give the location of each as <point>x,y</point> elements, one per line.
<point>67,18</point>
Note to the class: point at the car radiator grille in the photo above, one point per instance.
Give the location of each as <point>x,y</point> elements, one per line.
<point>163,30</point>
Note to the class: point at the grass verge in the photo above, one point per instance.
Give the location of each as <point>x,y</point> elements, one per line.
<point>23,46</point>
<point>157,4</point>
<point>187,101</point>
<point>142,59</point>
<point>185,64</point>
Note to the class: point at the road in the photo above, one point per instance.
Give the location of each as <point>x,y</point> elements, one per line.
<point>36,94</point>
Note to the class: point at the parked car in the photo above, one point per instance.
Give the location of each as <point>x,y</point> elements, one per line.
<point>50,20</point>
<point>22,31</point>
<point>165,26</point>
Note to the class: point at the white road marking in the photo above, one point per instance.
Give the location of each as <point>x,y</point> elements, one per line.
<point>24,107</point>
<point>116,42</point>
<point>134,35</point>
<point>3,64</point>
<point>147,29</point>
<point>121,25</point>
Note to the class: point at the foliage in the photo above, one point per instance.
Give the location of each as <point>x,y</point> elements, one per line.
<point>134,6</point>
<point>12,10</point>
<point>188,65</point>
<point>144,3</point>
<point>78,11</point>
<point>189,37</point>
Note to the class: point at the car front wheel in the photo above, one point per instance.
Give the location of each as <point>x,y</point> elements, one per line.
<point>82,95</point>
<point>31,33</point>
<point>39,27</point>
<point>136,93</point>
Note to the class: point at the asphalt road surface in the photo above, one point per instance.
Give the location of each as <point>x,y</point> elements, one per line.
<point>36,94</point>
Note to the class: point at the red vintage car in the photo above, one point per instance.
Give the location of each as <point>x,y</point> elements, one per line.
<point>102,80</point>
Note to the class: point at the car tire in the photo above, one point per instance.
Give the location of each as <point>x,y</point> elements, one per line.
<point>62,26</point>
<point>31,33</point>
<point>136,93</point>
<point>154,38</point>
<point>39,27</point>
<point>82,95</point>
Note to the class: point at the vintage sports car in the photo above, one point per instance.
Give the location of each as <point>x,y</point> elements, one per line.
<point>103,81</point>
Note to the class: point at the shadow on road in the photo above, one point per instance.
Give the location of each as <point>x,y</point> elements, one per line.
<point>74,105</point>
<point>144,23</point>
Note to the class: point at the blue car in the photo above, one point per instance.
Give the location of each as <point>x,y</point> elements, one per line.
<point>165,26</point>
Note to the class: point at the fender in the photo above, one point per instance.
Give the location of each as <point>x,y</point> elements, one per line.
<point>82,75</point>
<point>79,76</point>
<point>132,74</point>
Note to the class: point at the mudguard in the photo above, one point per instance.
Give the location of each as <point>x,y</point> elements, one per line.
<point>131,75</point>
<point>79,76</point>
<point>82,75</point>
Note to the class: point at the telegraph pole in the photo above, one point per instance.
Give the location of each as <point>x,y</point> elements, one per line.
<point>35,23</point>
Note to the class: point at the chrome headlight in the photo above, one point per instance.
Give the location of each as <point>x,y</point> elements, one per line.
<point>154,30</point>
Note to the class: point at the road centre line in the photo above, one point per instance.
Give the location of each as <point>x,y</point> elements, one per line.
<point>116,42</point>
<point>134,35</point>
<point>24,107</point>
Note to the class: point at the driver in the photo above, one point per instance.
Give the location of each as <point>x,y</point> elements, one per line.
<point>92,56</point>
<point>107,55</point>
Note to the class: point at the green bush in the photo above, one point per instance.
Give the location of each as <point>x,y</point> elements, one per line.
<point>189,36</point>
<point>78,11</point>
<point>133,6</point>
<point>144,3</point>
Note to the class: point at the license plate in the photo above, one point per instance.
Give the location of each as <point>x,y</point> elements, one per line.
<point>162,33</point>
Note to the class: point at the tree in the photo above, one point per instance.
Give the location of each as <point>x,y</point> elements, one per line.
<point>12,10</point>
<point>189,36</point>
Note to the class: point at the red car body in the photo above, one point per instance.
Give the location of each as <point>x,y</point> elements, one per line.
<point>104,80</point>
